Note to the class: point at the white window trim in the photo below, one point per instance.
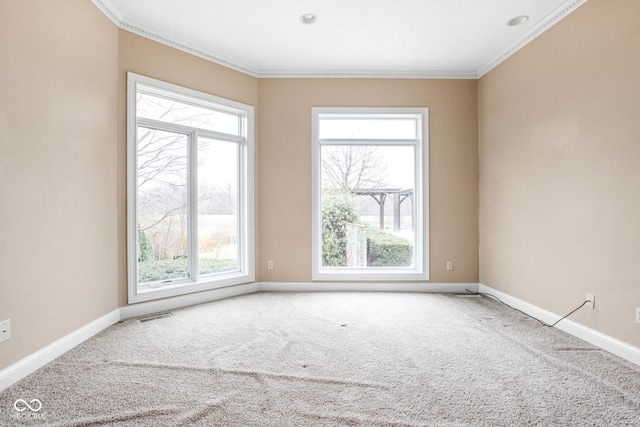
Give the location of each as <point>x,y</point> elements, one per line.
<point>246,273</point>
<point>421,270</point>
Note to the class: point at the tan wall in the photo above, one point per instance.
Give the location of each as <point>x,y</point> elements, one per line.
<point>557,125</point>
<point>283,132</point>
<point>559,132</point>
<point>58,111</point>
<point>63,163</point>
<point>285,167</point>
<point>156,60</point>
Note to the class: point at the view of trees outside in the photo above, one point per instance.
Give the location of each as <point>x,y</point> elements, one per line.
<point>162,202</point>
<point>217,206</point>
<point>163,192</point>
<point>367,193</point>
<point>350,167</point>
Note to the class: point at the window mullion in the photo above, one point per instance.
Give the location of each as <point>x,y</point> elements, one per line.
<point>192,206</point>
<point>242,201</point>
<point>418,213</point>
<point>381,142</point>
<point>178,128</point>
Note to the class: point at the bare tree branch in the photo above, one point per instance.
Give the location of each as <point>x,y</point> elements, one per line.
<point>163,217</point>
<point>351,167</point>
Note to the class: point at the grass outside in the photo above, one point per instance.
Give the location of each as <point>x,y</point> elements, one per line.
<point>153,271</point>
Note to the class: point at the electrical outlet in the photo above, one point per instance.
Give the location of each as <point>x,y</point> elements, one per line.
<point>638,315</point>
<point>591,301</point>
<point>269,265</point>
<point>449,265</point>
<point>5,330</point>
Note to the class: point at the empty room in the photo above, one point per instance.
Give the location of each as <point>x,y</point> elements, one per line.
<point>306,213</point>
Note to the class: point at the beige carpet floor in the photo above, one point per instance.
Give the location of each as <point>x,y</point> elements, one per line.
<point>332,359</point>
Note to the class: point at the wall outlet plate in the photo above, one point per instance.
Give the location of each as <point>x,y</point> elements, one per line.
<point>638,315</point>
<point>5,330</point>
<point>591,301</point>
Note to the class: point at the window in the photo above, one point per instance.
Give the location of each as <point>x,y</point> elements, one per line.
<point>190,190</point>
<point>370,194</point>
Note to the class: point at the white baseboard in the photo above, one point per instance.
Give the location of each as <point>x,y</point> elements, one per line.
<point>143,308</point>
<point>367,287</point>
<point>37,360</point>
<point>603,341</point>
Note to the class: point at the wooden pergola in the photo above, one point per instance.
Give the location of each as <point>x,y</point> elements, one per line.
<point>380,195</point>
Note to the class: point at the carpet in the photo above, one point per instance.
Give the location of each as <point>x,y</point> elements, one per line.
<point>331,359</point>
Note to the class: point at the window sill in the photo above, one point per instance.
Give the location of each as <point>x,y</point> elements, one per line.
<point>148,293</point>
<point>340,274</point>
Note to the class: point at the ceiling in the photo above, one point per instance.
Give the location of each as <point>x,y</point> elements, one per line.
<point>359,38</point>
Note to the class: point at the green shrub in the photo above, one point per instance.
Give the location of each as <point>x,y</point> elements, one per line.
<point>152,271</point>
<point>145,249</point>
<point>387,250</point>
<point>338,209</point>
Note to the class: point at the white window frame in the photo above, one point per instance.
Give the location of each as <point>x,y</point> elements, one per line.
<point>246,240</point>
<point>420,271</point>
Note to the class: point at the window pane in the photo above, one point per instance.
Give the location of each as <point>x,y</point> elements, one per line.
<point>171,111</point>
<point>162,205</point>
<point>367,206</point>
<point>368,128</point>
<point>189,181</point>
<point>217,206</point>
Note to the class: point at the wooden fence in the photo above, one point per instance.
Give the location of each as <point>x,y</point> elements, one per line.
<point>356,245</point>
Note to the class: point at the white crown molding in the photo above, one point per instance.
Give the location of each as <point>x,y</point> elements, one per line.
<point>540,27</point>
<point>110,10</point>
<point>186,47</point>
<point>122,22</point>
<point>369,74</point>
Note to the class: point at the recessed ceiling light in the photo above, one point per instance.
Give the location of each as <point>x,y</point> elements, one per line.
<point>518,20</point>
<point>309,18</point>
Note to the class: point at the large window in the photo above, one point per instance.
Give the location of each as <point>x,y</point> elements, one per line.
<point>190,180</point>
<point>370,201</point>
